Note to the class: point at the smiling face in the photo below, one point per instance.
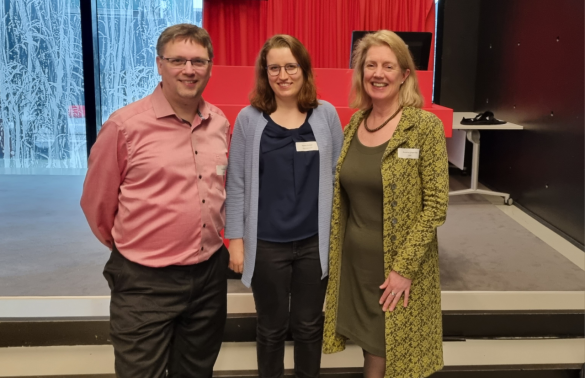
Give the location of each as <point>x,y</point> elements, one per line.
<point>184,84</point>
<point>286,86</point>
<point>382,74</point>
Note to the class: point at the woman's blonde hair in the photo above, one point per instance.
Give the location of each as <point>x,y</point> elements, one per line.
<point>262,96</point>
<point>409,94</point>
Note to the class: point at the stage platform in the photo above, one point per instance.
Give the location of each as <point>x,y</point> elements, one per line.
<point>47,249</point>
<point>513,293</point>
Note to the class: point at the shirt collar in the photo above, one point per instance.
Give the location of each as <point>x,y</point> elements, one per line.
<point>203,111</point>
<point>160,104</point>
<point>162,107</point>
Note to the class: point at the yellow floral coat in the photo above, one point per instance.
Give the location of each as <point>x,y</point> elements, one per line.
<point>415,204</point>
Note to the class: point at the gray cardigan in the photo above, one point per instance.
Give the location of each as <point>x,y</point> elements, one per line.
<point>243,179</point>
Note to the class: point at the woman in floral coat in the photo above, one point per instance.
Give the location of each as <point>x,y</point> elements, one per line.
<point>391,193</point>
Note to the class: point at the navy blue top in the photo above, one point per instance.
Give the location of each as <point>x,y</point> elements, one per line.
<point>289,184</point>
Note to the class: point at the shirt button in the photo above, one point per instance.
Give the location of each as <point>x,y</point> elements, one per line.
<point>203,225</point>
<point>394,220</point>
<point>199,176</point>
<point>393,237</point>
<point>394,203</point>
<point>203,201</point>
<point>195,152</point>
<point>202,248</point>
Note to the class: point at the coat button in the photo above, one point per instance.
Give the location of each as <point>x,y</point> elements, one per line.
<point>393,186</point>
<point>394,203</point>
<point>394,220</point>
<point>393,237</point>
<point>203,201</point>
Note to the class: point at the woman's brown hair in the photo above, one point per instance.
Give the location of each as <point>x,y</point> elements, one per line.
<point>262,96</point>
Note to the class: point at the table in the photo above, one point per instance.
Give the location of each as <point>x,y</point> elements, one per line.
<point>472,133</point>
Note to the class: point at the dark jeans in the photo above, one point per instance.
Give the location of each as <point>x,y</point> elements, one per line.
<point>167,319</point>
<point>288,291</point>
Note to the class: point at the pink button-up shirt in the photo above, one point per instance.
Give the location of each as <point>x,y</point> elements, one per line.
<point>155,183</point>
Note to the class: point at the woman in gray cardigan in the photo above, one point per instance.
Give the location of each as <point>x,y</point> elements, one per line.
<point>279,191</point>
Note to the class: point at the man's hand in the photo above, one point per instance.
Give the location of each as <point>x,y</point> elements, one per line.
<point>395,285</point>
<point>236,250</point>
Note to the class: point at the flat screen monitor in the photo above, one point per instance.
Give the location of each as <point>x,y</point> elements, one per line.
<point>419,44</point>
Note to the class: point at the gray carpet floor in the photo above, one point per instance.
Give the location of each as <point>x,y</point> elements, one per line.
<point>47,249</point>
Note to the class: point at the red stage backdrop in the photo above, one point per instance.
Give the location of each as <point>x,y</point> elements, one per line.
<point>239,28</point>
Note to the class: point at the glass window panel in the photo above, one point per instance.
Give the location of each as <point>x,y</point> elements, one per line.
<point>42,114</point>
<point>128,31</point>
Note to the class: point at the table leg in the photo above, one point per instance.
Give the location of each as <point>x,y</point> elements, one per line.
<point>473,137</point>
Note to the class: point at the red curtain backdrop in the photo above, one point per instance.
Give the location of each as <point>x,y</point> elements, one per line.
<point>239,28</point>
<point>235,29</point>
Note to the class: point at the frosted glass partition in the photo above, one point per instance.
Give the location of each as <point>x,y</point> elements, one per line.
<point>42,117</point>
<point>42,112</point>
<point>128,31</point>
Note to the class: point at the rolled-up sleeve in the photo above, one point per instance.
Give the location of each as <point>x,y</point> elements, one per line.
<point>108,162</point>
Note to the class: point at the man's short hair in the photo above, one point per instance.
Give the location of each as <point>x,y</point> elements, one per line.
<point>189,32</point>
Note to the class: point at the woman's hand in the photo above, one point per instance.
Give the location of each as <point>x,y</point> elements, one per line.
<point>236,250</point>
<point>395,285</point>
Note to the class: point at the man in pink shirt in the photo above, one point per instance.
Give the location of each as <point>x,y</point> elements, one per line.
<point>154,194</point>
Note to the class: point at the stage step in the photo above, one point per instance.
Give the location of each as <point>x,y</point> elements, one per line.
<point>543,358</point>
<point>457,325</point>
<point>519,371</point>
<point>486,334</point>
<point>511,371</point>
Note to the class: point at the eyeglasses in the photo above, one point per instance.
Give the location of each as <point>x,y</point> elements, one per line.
<point>290,68</point>
<point>180,62</point>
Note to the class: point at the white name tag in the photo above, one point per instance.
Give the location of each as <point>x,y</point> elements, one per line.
<point>220,169</point>
<point>408,153</point>
<point>307,146</point>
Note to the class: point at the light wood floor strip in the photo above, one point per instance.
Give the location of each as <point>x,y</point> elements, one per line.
<point>242,356</point>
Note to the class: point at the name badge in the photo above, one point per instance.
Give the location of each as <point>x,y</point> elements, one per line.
<point>408,153</point>
<point>220,169</point>
<point>307,146</point>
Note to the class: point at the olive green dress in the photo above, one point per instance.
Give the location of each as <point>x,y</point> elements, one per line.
<point>416,195</point>
<point>360,316</point>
